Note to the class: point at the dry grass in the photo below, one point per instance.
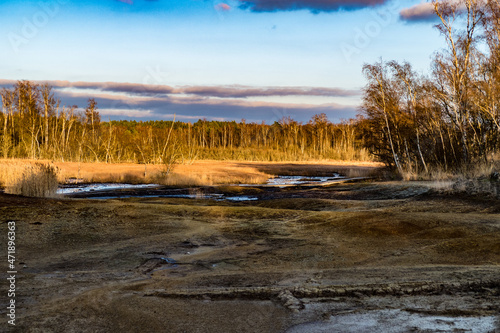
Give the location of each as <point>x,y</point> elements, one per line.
<point>202,172</point>
<point>478,180</point>
<point>31,179</point>
<point>318,168</point>
<point>105,172</point>
<point>229,175</point>
<point>475,171</point>
<point>198,173</point>
<point>208,172</point>
<point>435,174</point>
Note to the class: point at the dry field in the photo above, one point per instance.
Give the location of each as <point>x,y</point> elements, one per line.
<point>360,257</point>
<point>197,173</point>
<point>206,172</point>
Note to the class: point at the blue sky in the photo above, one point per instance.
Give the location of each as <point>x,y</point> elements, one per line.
<point>253,59</point>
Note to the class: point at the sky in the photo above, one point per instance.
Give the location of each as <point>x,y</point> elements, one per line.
<point>258,60</point>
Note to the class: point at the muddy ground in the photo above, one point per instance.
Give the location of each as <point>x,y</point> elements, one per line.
<point>360,257</point>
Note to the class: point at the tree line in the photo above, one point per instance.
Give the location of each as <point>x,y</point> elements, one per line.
<point>35,124</point>
<point>450,119</point>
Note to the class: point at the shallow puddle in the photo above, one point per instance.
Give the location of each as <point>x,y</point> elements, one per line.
<point>112,188</point>
<point>301,180</point>
<point>69,189</point>
<point>241,198</point>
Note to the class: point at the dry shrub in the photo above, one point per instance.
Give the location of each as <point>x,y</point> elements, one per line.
<point>476,187</point>
<point>29,179</point>
<point>435,174</point>
<point>479,180</point>
<point>483,170</point>
<point>469,172</point>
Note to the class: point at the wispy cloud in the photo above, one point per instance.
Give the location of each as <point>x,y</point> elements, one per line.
<point>233,91</point>
<point>125,112</point>
<point>425,11</point>
<point>245,91</point>
<point>144,102</point>
<point>315,6</point>
<point>418,13</point>
<point>193,108</point>
<point>132,88</point>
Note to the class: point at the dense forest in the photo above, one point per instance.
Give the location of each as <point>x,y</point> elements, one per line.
<point>35,125</point>
<point>449,120</point>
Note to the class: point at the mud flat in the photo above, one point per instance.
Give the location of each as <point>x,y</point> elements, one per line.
<point>348,257</point>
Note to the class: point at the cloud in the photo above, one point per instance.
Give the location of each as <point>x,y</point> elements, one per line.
<point>146,102</point>
<point>418,13</point>
<point>104,86</point>
<point>315,6</point>
<point>149,101</point>
<point>234,91</point>
<point>132,100</point>
<point>125,112</point>
<point>7,83</point>
<point>425,12</point>
<point>245,91</point>
<point>117,87</point>
<point>194,108</point>
<point>224,7</point>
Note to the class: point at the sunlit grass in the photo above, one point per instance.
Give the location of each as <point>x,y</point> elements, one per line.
<point>31,179</point>
<point>208,173</point>
<point>475,171</point>
<point>199,173</point>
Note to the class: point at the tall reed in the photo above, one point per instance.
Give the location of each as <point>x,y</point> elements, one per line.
<point>29,179</point>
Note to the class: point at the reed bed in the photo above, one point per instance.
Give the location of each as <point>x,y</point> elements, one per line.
<point>30,179</point>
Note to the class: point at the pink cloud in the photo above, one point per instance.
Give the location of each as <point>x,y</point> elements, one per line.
<point>223,7</point>
<point>425,11</point>
<point>420,12</point>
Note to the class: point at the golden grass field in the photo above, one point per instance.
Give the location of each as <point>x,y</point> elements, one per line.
<point>197,173</point>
